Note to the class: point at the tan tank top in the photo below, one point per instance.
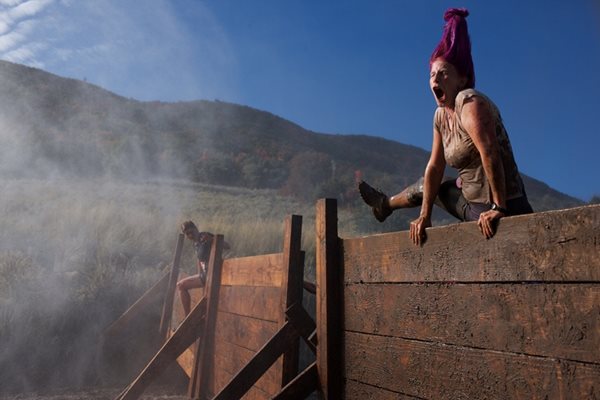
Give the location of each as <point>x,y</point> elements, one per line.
<point>460,153</point>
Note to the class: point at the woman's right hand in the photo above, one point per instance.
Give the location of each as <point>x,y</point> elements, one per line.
<point>417,230</point>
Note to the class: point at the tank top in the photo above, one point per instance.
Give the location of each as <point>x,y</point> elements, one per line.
<point>461,153</point>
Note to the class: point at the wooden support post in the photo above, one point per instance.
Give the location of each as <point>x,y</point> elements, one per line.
<point>182,338</point>
<point>167,312</point>
<point>201,372</point>
<point>301,386</point>
<point>291,288</point>
<point>329,301</point>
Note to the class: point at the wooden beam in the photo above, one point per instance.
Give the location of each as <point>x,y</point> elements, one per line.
<point>182,338</point>
<point>329,301</point>
<point>167,311</point>
<point>151,298</point>
<point>310,287</point>
<point>438,371</point>
<point>550,320</point>
<point>554,246</point>
<point>231,358</point>
<point>304,324</point>
<point>301,386</point>
<point>360,391</point>
<point>261,270</point>
<point>199,384</point>
<point>291,289</point>
<point>260,302</point>
<point>259,364</point>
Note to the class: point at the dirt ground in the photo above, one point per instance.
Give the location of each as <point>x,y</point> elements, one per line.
<point>93,394</point>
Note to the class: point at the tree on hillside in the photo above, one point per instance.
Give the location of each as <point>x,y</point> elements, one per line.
<point>309,170</point>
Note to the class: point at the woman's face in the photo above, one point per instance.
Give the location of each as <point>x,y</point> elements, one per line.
<point>191,233</point>
<point>445,82</point>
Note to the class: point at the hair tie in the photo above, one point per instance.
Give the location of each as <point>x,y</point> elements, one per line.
<point>458,12</point>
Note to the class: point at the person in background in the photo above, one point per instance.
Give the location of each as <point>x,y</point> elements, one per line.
<point>468,134</point>
<point>202,242</point>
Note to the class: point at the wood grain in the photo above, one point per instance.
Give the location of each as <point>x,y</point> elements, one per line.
<point>263,270</point>
<point>329,299</point>
<point>253,394</point>
<point>555,320</point>
<point>232,359</point>
<point>250,333</point>
<point>261,302</point>
<point>550,246</point>
<point>359,391</point>
<point>436,371</point>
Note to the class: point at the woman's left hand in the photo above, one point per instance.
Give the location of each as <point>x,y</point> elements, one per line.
<point>487,222</point>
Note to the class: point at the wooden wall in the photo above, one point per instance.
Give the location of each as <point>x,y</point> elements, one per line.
<point>254,295</point>
<point>248,315</point>
<point>513,317</point>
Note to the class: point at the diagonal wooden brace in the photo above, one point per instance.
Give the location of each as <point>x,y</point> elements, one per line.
<point>301,386</point>
<point>297,326</point>
<point>304,324</point>
<point>185,335</point>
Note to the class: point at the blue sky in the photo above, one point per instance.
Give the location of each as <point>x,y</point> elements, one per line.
<point>354,66</point>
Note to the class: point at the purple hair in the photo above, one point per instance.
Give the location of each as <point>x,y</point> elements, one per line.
<point>455,46</point>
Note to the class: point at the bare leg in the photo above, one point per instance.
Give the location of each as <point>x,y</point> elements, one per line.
<point>191,282</point>
<point>186,300</point>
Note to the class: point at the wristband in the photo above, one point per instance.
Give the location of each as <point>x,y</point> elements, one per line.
<point>496,207</point>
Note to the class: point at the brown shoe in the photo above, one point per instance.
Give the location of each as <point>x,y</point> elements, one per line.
<point>376,199</point>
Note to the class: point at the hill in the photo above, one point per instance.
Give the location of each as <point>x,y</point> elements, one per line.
<point>94,187</point>
<point>64,127</point>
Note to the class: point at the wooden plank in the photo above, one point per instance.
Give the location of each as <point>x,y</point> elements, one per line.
<point>150,300</point>
<point>310,287</point>
<point>186,360</point>
<point>551,246</point>
<point>555,320</point>
<point>261,302</point>
<point>167,310</point>
<point>360,391</point>
<point>329,299</point>
<point>232,358</point>
<point>200,383</point>
<point>247,332</point>
<point>262,270</point>
<point>303,322</point>
<point>270,382</point>
<point>259,364</point>
<point>301,386</point>
<point>253,393</point>
<point>291,289</point>
<point>437,371</point>
<point>182,338</point>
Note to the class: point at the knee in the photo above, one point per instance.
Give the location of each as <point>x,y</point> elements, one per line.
<point>414,193</point>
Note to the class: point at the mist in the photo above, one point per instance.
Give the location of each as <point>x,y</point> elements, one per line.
<point>94,188</point>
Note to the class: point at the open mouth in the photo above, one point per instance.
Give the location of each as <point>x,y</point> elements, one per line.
<point>439,93</point>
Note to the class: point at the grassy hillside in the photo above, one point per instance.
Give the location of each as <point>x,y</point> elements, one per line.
<point>94,187</point>
<point>74,254</point>
<point>63,127</point>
